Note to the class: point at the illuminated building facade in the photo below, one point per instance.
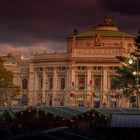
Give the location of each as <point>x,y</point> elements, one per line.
<point>83,75</point>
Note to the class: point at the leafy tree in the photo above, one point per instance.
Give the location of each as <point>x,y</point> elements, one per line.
<point>126,80</point>
<point>7,88</point>
<point>137,40</point>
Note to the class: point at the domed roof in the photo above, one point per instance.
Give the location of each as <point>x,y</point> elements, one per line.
<point>108,29</point>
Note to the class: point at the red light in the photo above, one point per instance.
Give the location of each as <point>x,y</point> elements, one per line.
<point>81,81</point>
<point>93,94</point>
<point>72,95</point>
<point>90,81</point>
<point>72,83</point>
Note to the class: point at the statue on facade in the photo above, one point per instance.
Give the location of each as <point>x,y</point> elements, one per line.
<point>97,39</point>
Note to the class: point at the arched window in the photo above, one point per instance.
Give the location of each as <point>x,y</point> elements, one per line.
<point>24,84</point>
<point>62,83</point>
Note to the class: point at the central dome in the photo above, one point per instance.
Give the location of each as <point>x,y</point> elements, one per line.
<point>108,25</point>
<point>107,29</point>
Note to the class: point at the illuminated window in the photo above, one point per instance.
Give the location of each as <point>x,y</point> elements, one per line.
<point>81,82</point>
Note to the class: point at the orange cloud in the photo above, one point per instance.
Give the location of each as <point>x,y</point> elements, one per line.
<point>39,48</point>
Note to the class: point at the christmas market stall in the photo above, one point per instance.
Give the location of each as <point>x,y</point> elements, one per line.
<point>7,115</point>
<point>126,124</point>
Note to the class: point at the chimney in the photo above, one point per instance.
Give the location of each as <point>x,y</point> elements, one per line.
<point>75,32</point>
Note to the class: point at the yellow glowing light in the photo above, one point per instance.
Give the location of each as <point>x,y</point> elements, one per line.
<point>134,73</point>
<point>130,61</point>
<point>22,57</point>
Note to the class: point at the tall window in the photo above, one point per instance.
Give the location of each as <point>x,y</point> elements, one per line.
<point>113,84</point>
<point>51,83</point>
<point>97,83</point>
<point>40,82</point>
<point>24,84</point>
<point>81,82</point>
<point>62,83</point>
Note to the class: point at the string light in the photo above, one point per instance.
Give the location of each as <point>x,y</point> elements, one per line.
<point>105,118</point>
<point>71,120</point>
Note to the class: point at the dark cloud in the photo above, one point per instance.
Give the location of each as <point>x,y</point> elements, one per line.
<point>129,7</point>
<point>31,22</point>
<point>42,19</point>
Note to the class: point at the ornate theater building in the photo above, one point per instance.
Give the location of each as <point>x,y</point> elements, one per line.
<point>83,75</point>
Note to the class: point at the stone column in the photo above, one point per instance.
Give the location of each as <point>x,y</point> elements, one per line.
<point>36,88</point>
<point>89,86</point>
<point>67,87</point>
<point>76,82</point>
<point>73,84</point>
<point>68,79</point>
<point>31,86</point>
<point>44,86</point>
<point>105,82</point>
<point>105,79</point>
<point>54,85</point>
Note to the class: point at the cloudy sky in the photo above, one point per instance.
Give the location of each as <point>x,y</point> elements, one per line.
<point>37,25</point>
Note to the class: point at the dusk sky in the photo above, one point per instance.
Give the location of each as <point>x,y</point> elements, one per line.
<point>37,25</point>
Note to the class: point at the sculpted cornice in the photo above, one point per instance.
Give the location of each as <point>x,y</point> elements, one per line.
<point>95,52</point>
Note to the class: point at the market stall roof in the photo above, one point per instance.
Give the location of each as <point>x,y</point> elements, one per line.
<point>17,109</point>
<point>7,114</point>
<point>66,112</point>
<point>110,111</point>
<point>69,112</point>
<point>125,121</point>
